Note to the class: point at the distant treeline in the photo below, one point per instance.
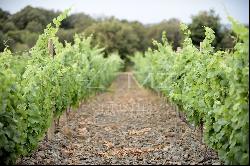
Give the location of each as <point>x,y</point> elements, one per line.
<point>20,31</point>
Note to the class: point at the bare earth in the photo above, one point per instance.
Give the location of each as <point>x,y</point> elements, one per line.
<point>127,124</point>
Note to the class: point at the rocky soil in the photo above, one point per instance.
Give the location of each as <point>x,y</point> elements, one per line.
<point>127,124</point>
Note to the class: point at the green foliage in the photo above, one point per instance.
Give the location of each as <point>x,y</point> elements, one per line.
<point>11,112</point>
<point>210,87</point>
<point>35,87</point>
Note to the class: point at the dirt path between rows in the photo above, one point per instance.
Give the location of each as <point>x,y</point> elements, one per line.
<point>125,125</point>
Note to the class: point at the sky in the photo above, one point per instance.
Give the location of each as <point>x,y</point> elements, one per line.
<point>145,11</point>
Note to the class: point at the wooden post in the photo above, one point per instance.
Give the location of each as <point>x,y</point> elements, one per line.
<point>201,127</point>
<point>51,48</point>
<point>51,130</point>
<point>129,84</point>
<point>67,115</point>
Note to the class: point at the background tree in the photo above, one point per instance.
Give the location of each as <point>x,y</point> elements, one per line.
<point>20,30</point>
<point>212,20</point>
<point>79,21</point>
<point>115,36</point>
<point>172,29</point>
<point>4,16</point>
<point>31,14</point>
